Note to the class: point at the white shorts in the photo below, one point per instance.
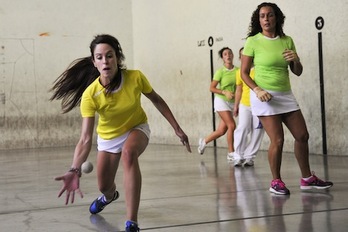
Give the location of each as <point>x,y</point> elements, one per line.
<point>115,145</point>
<point>222,105</point>
<point>281,102</point>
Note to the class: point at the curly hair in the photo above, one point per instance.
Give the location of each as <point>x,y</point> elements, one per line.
<point>255,26</point>
<point>71,84</point>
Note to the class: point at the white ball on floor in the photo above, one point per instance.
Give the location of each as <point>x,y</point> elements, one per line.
<point>87,167</point>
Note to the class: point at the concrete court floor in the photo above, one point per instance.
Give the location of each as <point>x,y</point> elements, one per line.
<point>181,192</point>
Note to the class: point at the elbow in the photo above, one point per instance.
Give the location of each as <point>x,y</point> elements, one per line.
<point>298,72</point>
<point>296,68</point>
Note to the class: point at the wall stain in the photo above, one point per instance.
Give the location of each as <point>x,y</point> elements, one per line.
<point>44,34</point>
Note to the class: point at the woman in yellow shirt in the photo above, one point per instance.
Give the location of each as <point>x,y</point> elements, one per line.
<point>104,87</point>
<point>249,132</point>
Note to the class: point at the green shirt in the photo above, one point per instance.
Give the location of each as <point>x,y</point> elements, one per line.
<point>271,69</point>
<point>227,80</point>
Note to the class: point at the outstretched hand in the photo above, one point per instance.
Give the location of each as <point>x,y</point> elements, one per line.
<point>71,183</point>
<point>184,139</point>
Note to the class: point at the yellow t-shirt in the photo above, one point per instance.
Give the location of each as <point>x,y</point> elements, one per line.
<point>120,110</point>
<point>245,99</point>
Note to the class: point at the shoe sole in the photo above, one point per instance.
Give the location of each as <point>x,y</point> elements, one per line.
<point>238,164</point>
<point>272,190</point>
<point>315,187</point>
<point>230,160</point>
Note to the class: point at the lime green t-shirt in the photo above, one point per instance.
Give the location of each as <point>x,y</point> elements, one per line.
<point>120,110</point>
<point>245,98</point>
<point>271,69</point>
<point>227,80</point>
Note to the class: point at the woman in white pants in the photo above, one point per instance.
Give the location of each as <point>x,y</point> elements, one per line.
<point>249,132</point>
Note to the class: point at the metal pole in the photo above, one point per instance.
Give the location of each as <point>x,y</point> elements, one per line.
<point>212,94</point>
<point>322,94</point>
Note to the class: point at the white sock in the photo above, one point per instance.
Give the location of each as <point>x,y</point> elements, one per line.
<point>105,200</point>
<point>307,178</point>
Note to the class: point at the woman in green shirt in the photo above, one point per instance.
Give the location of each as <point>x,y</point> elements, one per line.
<point>272,100</point>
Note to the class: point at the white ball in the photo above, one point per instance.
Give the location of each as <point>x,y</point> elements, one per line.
<point>87,167</point>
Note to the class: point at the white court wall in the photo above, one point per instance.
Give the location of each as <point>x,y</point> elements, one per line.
<point>168,41</point>
<point>166,38</point>
<point>38,40</point>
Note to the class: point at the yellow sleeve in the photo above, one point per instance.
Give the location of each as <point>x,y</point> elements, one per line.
<point>238,78</point>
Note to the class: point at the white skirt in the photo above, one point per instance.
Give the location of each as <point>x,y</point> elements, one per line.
<point>281,102</point>
<point>222,105</point>
<point>115,145</point>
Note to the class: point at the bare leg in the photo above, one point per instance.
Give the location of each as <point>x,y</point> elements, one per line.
<point>135,145</point>
<point>220,131</point>
<point>107,166</point>
<point>228,119</point>
<point>274,129</point>
<point>297,126</point>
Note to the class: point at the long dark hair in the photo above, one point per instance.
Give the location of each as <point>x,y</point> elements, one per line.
<point>71,84</point>
<point>255,26</point>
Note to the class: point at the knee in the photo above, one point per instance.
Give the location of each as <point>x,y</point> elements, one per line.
<point>231,126</point>
<point>278,142</point>
<point>129,157</point>
<point>303,138</point>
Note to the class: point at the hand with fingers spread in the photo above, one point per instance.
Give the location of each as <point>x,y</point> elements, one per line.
<point>71,183</point>
<point>102,72</point>
<point>262,95</point>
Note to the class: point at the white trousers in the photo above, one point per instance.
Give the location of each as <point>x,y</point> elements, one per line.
<point>248,134</point>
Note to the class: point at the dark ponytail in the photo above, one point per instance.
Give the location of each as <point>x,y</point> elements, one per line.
<point>70,85</point>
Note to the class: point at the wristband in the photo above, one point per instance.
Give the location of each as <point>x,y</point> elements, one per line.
<point>75,170</point>
<point>257,89</point>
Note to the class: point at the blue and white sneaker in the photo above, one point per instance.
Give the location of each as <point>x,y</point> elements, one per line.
<point>132,227</point>
<point>99,204</point>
